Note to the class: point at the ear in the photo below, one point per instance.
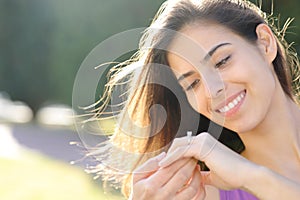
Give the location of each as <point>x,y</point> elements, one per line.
<point>266,42</point>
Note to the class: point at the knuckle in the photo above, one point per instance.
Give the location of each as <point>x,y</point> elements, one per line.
<point>192,191</point>
<point>145,190</point>
<point>188,193</point>
<point>138,170</point>
<point>205,135</point>
<point>204,138</point>
<point>148,189</point>
<point>135,177</point>
<point>165,194</point>
<point>182,175</point>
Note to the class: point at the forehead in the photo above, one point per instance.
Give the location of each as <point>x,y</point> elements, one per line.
<point>193,42</point>
<point>200,38</point>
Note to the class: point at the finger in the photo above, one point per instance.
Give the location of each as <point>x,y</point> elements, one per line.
<point>179,153</point>
<point>200,148</point>
<point>147,168</point>
<point>178,142</point>
<point>206,178</point>
<point>181,177</point>
<point>194,190</point>
<point>184,141</point>
<point>150,186</point>
<point>163,175</point>
<point>201,194</point>
<point>202,191</point>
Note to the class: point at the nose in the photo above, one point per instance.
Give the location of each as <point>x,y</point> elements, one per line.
<point>214,84</point>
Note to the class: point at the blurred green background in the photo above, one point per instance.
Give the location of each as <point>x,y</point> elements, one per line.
<point>42,44</point>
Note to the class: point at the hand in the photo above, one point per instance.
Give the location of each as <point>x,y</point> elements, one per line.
<point>180,180</point>
<point>228,170</point>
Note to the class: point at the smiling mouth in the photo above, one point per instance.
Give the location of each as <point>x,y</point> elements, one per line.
<point>233,104</point>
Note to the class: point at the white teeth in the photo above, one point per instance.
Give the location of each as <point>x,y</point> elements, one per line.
<point>235,101</point>
<point>232,104</point>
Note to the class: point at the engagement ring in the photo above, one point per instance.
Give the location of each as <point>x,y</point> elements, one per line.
<point>189,136</point>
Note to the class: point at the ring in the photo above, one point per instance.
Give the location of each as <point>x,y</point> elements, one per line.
<point>189,136</point>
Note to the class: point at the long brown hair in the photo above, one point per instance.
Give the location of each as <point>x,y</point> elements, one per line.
<point>144,69</point>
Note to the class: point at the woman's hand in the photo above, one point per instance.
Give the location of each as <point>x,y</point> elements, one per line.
<point>180,180</point>
<point>228,170</point>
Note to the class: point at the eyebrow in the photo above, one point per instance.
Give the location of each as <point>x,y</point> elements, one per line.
<point>183,76</point>
<point>213,50</point>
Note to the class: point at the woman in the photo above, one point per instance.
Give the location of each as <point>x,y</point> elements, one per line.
<point>237,70</point>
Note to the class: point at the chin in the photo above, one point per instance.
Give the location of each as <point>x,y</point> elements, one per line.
<point>243,127</point>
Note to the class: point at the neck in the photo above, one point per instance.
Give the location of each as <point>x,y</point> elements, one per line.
<point>275,142</point>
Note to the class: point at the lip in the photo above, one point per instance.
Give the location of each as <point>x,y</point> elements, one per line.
<point>227,101</point>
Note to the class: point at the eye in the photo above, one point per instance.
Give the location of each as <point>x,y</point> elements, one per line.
<point>193,85</point>
<point>222,62</point>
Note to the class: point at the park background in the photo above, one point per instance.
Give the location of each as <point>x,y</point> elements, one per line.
<point>42,45</point>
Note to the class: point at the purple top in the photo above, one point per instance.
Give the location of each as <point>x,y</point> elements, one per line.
<point>236,195</point>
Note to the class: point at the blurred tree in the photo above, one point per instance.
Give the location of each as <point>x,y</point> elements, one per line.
<point>82,26</point>
<point>285,9</point>
<point>43,42</point>
<point>25,39</point>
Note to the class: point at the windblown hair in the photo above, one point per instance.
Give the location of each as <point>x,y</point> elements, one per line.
<point>139,133</point>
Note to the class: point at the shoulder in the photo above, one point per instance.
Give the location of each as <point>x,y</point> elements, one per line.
<point>212,193</point>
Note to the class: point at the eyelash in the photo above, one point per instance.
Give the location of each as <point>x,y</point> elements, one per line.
<point>193,85</point>
<point>218,65</point>
<point>222,62</point>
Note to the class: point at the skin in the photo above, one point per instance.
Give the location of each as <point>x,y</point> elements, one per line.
<point>216,85</point>
<point>266,120</point>
<point>152,182</point>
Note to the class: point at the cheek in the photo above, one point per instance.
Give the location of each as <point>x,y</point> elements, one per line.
<point>266,89</point>
<point>192,100</point>
<point>264,81</point>
<point>198,102</point>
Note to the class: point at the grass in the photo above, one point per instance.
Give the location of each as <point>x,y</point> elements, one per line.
<point>32,176</point>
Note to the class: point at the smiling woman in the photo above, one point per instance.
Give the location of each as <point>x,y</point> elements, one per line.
<point>235,68</point>
<point>227,72</point>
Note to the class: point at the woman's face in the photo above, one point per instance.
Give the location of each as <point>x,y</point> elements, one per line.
<point>225,78</point>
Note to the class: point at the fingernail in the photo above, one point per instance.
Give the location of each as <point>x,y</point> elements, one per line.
<point>160,156</point>
<point>161,163</point>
